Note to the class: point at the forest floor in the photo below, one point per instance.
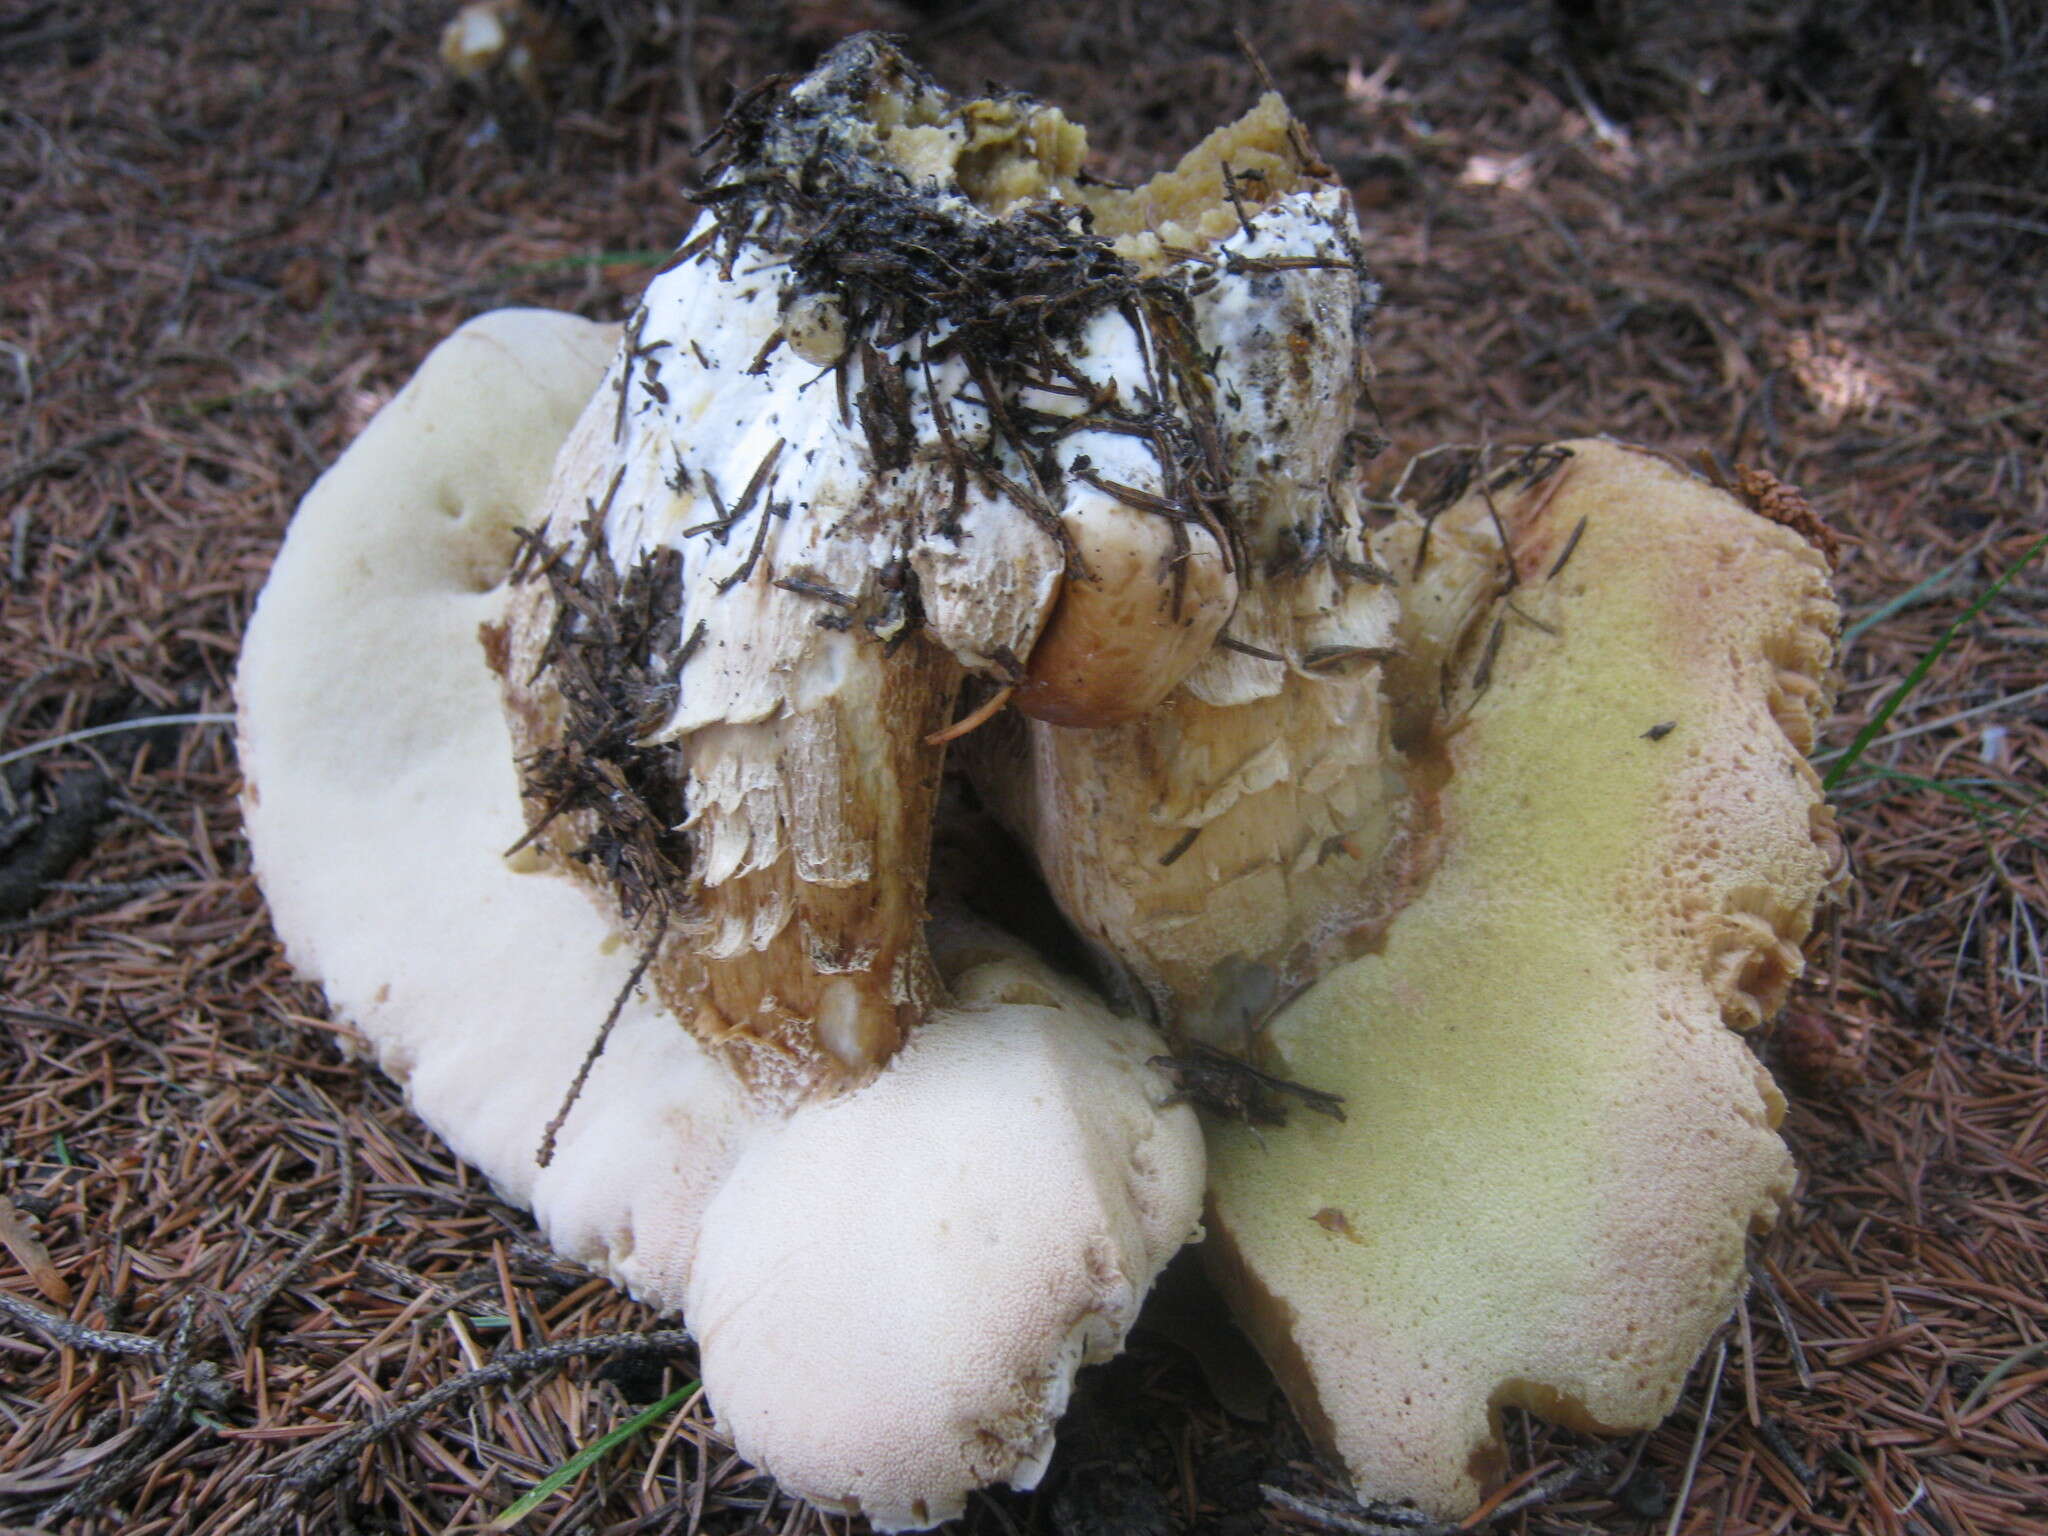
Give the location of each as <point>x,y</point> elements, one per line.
<point>232,229</point>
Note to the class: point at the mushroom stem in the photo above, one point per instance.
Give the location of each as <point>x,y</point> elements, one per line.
<point>1226,847</point>
<point>732,659</point>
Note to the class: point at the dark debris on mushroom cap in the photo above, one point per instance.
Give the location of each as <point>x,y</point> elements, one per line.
<point>801,181</point>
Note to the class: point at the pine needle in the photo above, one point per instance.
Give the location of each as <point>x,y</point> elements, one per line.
<point>1918,675</point>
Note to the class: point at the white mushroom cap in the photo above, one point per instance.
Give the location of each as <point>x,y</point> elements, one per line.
<point>892,1289</point>
<point>379,796</point>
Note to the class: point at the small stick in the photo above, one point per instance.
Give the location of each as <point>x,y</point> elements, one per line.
<point>1311,163</point>
<point>1329,1517</point>
<point>746,567</point>
<point>990,707</point>
<point>596,513</point>
<point>725,520</point>
<point>1699,1440</point>
<point>43,463</point>
<point>1531,620</point>
<point>62,1330</point>
<point>1628,1469</point>
<point>1245,648</point>
<point>1565,554</point>
<point>1781,1444</point>
<point>1360,570</point>
<point>328,1464</point>
<point>104,899</point>
<point>1330,655</point>
<point>318,1238</point>
<point>159,1425</point>
<point>1236,202</point>
<point>1483,674</point>
<point>1131,496</point>
<point>804,588</point>
<point>112,727</point>
<point>1507,551</point>
<point>546,1154</point>
<point>1545,1488</point>
<point>1769,1287</point>
<point>1756,1417</point>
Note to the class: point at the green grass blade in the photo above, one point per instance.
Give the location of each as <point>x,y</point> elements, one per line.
<point>1959,789</point>
<point>1918,675</point>
<point>1998,1373</point>
<point>1899,604</point>
<point>587,259</point>
<point>588,1457</point>
<point>1993,818</point>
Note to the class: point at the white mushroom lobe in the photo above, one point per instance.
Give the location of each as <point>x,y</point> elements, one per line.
<point>914,407</point>
<point>1004,1190</point>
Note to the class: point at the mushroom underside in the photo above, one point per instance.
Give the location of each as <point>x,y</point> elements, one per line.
<point>1555,1143</point>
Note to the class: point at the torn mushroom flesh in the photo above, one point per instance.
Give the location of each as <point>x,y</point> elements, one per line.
<point>914,425</point>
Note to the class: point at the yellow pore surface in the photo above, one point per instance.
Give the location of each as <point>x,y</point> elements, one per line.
<point>1555,1145</point>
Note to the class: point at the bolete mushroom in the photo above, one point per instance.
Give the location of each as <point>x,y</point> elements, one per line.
<point>1591,853</point>
<point>594,716</point>
<point>594,721</point>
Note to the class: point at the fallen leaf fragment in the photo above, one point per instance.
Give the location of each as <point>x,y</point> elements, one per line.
<point>19,1238</point>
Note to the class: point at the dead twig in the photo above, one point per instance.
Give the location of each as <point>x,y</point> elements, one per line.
<point>185,1381</point>
<point>323,1232</point>
<point>62,1330</point>
<point>546,1154</point>
<point>331,1460</point>
<point>64,453</point>
<point>1699,1439</point>
<point>1327,1516</point>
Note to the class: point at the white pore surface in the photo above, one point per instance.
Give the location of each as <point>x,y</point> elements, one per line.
<point>892,1289</point>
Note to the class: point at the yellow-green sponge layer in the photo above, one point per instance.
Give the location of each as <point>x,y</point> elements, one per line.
<point>1555,1144</point>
